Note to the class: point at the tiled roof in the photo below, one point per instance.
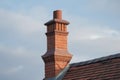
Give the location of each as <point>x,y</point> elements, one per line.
<point>104,68</point>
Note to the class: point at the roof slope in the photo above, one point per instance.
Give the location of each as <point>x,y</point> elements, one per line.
<point>105,68</point>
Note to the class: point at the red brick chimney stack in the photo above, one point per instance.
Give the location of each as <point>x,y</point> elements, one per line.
<point>57,56</point>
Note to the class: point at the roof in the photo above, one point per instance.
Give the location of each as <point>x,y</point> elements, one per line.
<point>104,68</point>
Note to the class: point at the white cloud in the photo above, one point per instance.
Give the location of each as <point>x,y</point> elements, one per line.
<point>20,54</point>
<point>13,70</point>
<point>18,51</point>
<point>19,22</point>
<point>94,33</point>
<point>94,37</point>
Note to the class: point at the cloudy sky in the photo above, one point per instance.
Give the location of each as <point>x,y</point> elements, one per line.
<point>94,31</point>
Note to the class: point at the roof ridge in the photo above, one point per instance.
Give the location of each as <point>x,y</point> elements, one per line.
<point>96,60</point>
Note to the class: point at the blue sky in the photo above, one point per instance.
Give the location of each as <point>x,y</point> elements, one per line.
<point>94,31</point>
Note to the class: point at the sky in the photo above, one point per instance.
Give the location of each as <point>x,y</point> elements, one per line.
<point>94,31</point>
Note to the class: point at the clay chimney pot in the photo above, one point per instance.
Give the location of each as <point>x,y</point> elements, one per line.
<point>57,14</point>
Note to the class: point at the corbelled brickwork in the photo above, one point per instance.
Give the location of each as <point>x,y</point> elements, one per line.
<point>57,56</point>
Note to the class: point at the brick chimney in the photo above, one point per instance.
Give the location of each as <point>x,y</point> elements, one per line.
<point>57,56</point>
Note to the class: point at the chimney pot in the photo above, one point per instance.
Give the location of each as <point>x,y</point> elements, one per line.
<point>57,14</point>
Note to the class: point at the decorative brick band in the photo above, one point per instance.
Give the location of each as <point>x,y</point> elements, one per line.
<point>57,33</point>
